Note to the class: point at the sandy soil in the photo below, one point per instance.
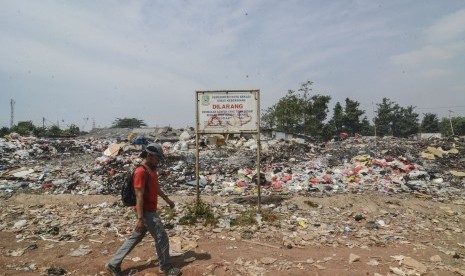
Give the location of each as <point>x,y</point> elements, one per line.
<point>222,254</point>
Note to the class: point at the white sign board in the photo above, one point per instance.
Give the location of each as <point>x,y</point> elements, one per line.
<point>228,111</point>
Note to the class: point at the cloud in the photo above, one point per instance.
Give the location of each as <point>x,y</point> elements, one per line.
<point>435,73</point>
<point>448,29</point>
<point>429,54</point>
<point>442,41</point>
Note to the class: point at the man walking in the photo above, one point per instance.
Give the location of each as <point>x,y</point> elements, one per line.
<point>147,217</point>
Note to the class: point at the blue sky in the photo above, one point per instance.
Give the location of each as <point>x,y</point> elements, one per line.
<point>70,60</point>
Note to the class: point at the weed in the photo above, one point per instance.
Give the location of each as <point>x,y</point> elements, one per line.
<point>199,212</point>
<point>245,218</point>
<point>249,217</point>
<point>311,203</point>
<point>269,216</point>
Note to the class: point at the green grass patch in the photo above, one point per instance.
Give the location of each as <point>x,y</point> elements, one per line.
<point>245,218</point>
<point>249,217</point>
<point>198,212</point>
<point>269,216</point>
<point>311,203</point>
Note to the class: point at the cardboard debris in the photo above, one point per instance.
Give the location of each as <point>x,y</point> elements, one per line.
<point>112,150</point>
<point>436,151</point>
<point>414,264</point>
<point>179,246</point>
<point>457,173</point>
<point>353,258</point>
<point>429,156</point>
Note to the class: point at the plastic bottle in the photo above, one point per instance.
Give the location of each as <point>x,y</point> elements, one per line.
<point>258,217</point>
<point>346,231</point>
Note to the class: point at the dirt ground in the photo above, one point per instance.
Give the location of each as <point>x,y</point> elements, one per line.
<point>222,254</point>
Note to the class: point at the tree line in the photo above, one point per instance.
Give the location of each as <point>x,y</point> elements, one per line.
<point>26,128</point>
<point>306,113</point>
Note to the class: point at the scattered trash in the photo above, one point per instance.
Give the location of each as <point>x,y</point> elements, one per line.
<point>81,251</point>
<point>20,223</point>
<point>353,258</point>
<point>55,271</point>
<point>428,170</point>
<point>268,260</point>
<point>189,260</point>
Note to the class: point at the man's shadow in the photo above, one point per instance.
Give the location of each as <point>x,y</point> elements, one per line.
<point>177,261</point>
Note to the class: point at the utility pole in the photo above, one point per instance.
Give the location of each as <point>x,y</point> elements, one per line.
<point>374,119</point>
<point>12,105</point>
<point>374,126</point>
<point>450,120</point>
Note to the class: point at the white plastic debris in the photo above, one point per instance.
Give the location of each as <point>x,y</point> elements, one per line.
<point>20,223</point>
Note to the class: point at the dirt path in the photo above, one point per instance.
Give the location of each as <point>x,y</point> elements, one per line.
<point>222,252</point>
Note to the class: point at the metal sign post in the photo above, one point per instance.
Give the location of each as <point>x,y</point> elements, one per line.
<point>197,154</point>
<point>227,112</point>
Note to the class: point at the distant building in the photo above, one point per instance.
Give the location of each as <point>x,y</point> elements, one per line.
<point>280,135</point>
<point>160,134</point>
<point>421,136</point>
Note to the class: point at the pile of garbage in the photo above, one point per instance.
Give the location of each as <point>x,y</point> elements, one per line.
<point>434,167</point>
<point>290,172</point>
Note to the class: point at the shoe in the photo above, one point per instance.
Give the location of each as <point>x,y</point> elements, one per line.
<point>171,271</point>
<point>114,270</point>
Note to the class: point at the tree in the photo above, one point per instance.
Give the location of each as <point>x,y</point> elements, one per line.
<point>327,132</point>
<point>458,123</point>
<point>127,123</point>
<point>24,128</point>
<point>72,130</point>
<point>366,128</point>
<point>54,131</point>
<point>430,123</point>
<point>395,120</point>
<point>307,107</point>
<point>385,116</point>
<point>299,112</point>
<point>347,119</point>
<point>405,122</point>
<point>40,132</point>
<point>352,115</point>
<point>268,119</point>
<point>4,131</point>
<point>287,112</point>
<point>337,121</point>
<point>314,110</point>
<point>319,109</point>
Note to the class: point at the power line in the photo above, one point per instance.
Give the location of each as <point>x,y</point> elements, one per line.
<point>441,107</point>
